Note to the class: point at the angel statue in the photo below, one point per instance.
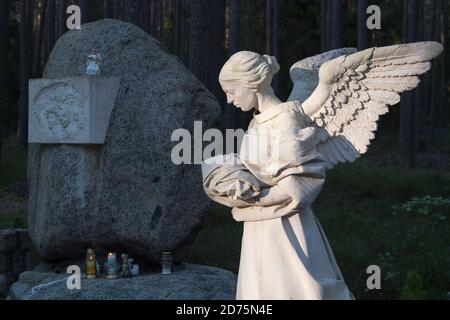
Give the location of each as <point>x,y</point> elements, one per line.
<point>330,117</point>
<point>94,60</point>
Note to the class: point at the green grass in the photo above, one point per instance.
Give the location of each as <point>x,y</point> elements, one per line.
<point>219,242</point>
<point>12,164</point>
<point>356,210</point>
<point>12,213</point>
<point>12,169</point>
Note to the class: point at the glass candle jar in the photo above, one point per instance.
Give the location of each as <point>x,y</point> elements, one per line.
<point>166,262</point>
<point>112,265</point>
<point>91,264</point>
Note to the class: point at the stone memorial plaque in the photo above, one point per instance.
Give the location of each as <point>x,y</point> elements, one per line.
<point>74,110</point>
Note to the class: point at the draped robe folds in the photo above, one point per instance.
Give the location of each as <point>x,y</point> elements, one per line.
<point>271,185</point>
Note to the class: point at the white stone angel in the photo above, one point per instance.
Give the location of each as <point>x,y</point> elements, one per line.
<point>331,117</point>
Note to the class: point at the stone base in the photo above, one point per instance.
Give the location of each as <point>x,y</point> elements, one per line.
<point>192,282</point>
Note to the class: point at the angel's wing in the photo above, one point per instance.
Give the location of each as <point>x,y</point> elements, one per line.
<point>305,73</point>
<point>354,90</point>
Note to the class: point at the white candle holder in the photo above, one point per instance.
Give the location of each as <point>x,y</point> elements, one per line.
<point>112,266</point>
<point>166,263</point>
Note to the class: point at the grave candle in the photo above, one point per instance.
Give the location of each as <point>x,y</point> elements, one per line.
<point>166,262</point>
<point>91,265</point>
<point>112,265</point>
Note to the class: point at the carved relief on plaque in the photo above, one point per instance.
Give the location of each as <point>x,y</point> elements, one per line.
<point>61,111</point>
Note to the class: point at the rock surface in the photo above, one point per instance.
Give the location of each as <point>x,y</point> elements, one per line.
<point>125,195</point>
<point>193,282</point>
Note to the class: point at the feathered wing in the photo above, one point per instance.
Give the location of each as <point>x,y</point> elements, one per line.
<point>355,90</point>
<point>305,73</point>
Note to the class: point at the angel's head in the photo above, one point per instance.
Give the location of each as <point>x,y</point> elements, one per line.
<point>244,75</point>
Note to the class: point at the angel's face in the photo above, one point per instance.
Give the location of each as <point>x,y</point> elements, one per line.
<point>242,97</point>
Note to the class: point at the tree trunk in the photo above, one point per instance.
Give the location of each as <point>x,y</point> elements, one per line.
<point>362,24</point>
<point>85,10</point>
<point>272,23</point>
<point>433,94</point>
<point>198,57</point>
<point>155,15</point>
<point>22,130</point>
<point>329,16</point>
<point>253,23</point>
<point>409,105</point>
<point>186,30</point>
<point>4,26</point>
<point>206,42</point>
<point>199,47</point>
<point>39,41</point>
<point>144,15</point>
<point>275,39</point>
<point>234,28</point>
<point>108,9</point>
<point>419,105</point>
<point>336,25</point>
<point>62,16</point>
<point>402,127</point>
<point>269,26</point>
<point>443,58</point>
<point>430,76</point>
<point>323,25</point>
<point>151,26</point>
<point>156,19</point>
<point>51,27</point>
<point>231,113</point>
<point>217,21</point>
<point>118,5</point>
<point>160,21</point>
<point>434,99</point>
<point>177,27</point>
<point>131,11</point>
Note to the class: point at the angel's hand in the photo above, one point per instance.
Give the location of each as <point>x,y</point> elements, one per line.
<point>271,196</point>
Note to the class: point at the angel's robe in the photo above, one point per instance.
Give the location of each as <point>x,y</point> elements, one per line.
<point>271,186</point>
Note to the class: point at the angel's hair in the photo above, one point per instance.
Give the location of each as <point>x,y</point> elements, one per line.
<point>250,69</point>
